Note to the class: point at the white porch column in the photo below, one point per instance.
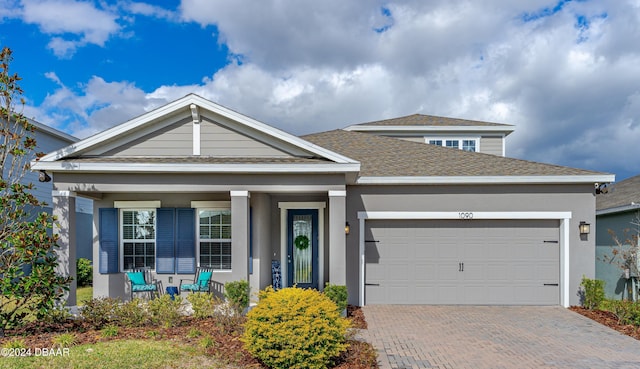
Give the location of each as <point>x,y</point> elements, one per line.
<point>239,235</point>
<point>337,238</point>
<point>64,209</point>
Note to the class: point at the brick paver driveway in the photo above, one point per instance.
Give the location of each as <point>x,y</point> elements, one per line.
<point>457,337</point>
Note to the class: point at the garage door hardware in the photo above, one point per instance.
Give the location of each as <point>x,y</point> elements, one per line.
<point>372,284</point>
<point>461,267</point>
<point>371,241</point>
<point>550,241</point>
<point>551,284</point>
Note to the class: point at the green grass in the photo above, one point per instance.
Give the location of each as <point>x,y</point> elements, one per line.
<point>84,294</point>
<point>120,354</point>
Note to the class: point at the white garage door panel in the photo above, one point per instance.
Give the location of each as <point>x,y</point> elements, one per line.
<point>505,262</point>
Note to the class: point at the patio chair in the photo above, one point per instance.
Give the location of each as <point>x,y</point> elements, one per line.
<point>140,282</point>
<point>200,283</point>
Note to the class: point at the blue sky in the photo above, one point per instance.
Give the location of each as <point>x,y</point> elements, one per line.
<point>565,73</point>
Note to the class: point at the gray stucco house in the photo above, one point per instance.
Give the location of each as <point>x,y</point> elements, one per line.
<point>194,183</point>
<point>617,210</point>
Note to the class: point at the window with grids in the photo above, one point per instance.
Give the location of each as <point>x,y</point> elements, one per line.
<point>215,238</point>
<point>453,143</point>
<point>456,143</point>
<point>469,145</point>
<point>138,238</point>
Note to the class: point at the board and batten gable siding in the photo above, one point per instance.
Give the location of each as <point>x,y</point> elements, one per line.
<point>173,140</point>
<point>221,141</point>
<point>491,145</point>
<point>177,140</point>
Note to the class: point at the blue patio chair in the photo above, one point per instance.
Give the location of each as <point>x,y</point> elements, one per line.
<point>200,283</point>
<point>140,282</point>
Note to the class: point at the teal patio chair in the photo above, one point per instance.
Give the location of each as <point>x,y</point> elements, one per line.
<point>140,282</point>
<point>200,283</point>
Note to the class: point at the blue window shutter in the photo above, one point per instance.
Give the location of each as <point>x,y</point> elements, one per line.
<point>165,245</point>
<point>186,241</point>
<point>108,257</point>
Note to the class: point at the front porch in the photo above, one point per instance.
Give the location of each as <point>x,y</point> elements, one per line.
<point>237,232</point>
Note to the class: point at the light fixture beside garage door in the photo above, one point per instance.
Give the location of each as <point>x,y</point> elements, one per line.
<point>585,228</point>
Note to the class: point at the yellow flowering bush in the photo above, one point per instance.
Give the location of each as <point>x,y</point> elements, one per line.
<point>295,328</point>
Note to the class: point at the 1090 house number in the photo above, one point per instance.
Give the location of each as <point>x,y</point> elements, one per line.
<point>466,215</point>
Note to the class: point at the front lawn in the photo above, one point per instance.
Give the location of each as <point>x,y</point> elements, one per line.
<point>119,354</point>
<point>212,341</point>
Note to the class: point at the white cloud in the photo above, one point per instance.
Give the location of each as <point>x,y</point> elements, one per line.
<point>72,23</point>
<point>148,10</point>
<point>566,75</point>
<point>98,105</point>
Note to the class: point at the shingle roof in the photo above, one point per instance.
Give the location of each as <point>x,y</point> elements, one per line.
<point>430,120</point>
<point>387,157</point>
<point>619,194</point>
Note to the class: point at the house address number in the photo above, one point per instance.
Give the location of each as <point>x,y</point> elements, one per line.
<point>465,215</point>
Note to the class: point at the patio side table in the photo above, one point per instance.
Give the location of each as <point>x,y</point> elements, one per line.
<point>173,291</point>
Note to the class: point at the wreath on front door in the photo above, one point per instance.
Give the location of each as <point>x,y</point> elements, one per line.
<point>301,242</point>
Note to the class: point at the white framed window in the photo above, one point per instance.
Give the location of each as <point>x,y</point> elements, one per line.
<point>138,238</point>
<point>469,145</point>
<point>464,143</point>
<point>214,238</point>
<point>453,143</point>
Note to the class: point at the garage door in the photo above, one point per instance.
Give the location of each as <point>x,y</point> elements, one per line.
<point>485,262</point>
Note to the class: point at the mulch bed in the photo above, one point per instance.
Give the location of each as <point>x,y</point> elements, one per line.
<point>227,347</point>
<point>608,319</point>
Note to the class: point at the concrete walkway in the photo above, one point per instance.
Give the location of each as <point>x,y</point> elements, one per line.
<point>477,337</point>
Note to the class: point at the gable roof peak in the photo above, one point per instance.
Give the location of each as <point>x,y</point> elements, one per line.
<point>183,106</point>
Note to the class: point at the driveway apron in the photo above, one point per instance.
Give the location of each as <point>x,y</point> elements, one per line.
<point>461,337</point>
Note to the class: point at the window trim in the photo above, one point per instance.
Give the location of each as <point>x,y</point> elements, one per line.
<point>210,205</point>
<point>460,140</point>
<point>121,239</point>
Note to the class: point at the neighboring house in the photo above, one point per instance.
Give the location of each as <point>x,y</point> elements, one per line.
<point>617,210</point>
<point>49,139</point>
<point>193,183</point>
<point>467,135</point>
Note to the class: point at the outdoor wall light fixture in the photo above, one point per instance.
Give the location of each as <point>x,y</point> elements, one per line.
<point>43,176</point>
<point>585,228</point>
<point>347,228</point>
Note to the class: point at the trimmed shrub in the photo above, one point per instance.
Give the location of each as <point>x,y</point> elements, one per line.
<point>84,272</point>
<point>295,328</point>
<point>100,312</point>
<point>237,293</point>
<point>337,294</point>
<point>593,290</point>
<point>131,314</point>
<point>627,312</point>
<point>203,304</point>
<point>57,315</point>
<point>164,311</point>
